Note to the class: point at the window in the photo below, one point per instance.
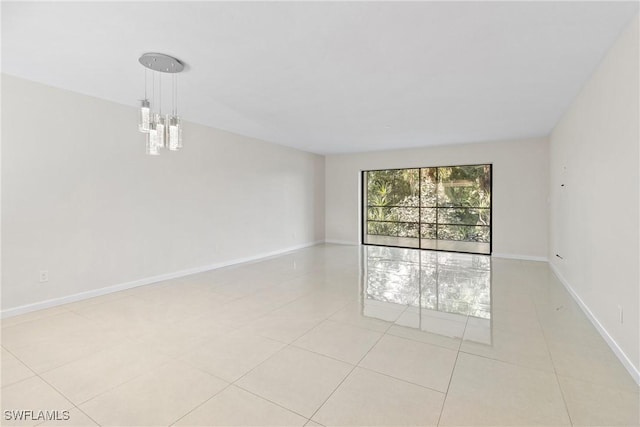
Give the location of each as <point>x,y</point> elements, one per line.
<point>439,208</point>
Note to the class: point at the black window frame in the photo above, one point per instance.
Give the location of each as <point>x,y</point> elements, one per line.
<point>364,209</point>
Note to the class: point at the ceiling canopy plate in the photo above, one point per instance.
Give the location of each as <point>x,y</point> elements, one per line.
<point>161,62</point>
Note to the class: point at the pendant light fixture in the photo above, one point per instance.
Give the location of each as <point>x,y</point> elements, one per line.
<point>161,131</point>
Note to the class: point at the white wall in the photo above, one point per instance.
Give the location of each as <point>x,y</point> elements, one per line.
<point>82,200</point>
<point>594,217</point>
<point>520,189</point>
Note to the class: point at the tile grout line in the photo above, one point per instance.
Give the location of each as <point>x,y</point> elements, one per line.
<point>169,358</point>
<point>35,374</point>
<point>200,404</point>
<point>553,364</point>
<point>271,401</point>
<point>424,342</point>
<point>347,376</point>
<point>74,405</point>
<point>357,365</point>
<point>506,362</point>
<point>400,379</point>
<point>229,384</point>
<point>234,383</point>
<point>13,324</point>
<point>455,364</point>
<point>292,345</point>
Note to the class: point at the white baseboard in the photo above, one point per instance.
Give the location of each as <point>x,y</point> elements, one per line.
<point>340,242</point>
<point>27,308</point>
<point>521,257</point>
<point>626,362</point>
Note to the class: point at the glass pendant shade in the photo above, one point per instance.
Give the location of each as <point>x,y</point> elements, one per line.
<point>173,132</point>
<point>153,148</point>
<point>179,121</point>
<point>144,116</point>
<point>160,129</point>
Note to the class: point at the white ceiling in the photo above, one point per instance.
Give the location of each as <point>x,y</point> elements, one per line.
<point>329,77</point>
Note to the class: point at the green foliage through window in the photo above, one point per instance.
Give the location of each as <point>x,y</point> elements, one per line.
<point>441,203</point>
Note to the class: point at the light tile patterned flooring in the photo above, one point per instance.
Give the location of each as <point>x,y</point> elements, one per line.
<point>329,335</point>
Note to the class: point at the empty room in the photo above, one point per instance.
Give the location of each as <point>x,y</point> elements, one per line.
<point>320,213</point>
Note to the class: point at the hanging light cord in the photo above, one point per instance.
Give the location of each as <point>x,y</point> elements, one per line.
<point>153,86</point>
<point>175,93</point>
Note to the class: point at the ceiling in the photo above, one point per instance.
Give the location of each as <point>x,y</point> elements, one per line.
<point>329,77</point>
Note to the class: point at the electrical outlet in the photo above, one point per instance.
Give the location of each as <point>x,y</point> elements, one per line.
<point>44,276</point>
<point>621,314</point>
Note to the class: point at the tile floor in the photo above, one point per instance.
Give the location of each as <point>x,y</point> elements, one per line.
<point>331,336</point>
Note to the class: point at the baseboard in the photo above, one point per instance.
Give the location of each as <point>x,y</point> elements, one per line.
<point>626,362</point>
<point>27,308</point>
<point>520,257</point>
<point>340,242</point>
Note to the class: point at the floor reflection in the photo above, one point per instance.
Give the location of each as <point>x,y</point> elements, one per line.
<point>435,292</point>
